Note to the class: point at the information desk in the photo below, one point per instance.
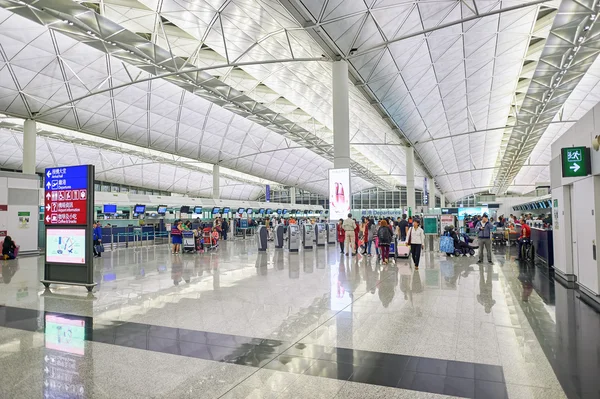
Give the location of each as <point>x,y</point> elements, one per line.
<point>541,239</point>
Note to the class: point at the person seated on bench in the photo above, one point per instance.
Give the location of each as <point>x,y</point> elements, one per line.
<point>8,248</point>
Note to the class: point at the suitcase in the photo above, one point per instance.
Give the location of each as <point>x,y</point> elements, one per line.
<point>402,251</point>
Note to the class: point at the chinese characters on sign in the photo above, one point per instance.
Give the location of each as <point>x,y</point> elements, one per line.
<point>65,197</point>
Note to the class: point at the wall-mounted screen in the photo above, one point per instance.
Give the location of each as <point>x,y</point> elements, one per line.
<point>339,193</point>
<point>109,209</point>
<point>226,210</point>
<point>216,210</point>
<point>240,211</point>
<point>197,209</point>
<point>249,211</point>
<point>184,209</point>
<point>161,210</point>
<point>139,209</point>
<point>65,246</point>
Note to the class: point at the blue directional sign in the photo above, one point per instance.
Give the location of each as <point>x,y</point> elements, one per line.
<point>66,195</point>
<point>67,178</point>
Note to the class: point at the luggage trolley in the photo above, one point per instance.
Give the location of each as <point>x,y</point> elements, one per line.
<point>189,241</point>
<point>209,241</point>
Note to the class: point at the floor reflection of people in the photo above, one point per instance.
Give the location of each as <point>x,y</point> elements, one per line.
<point>405,273</point>
<point>176,269</point>
<point>387,286</point>
<point>485,288</point>
<point>8,270</point>
<point>416,289</point>
<point>371,276</point>
<point>526,275</point>
<point>449,273</point>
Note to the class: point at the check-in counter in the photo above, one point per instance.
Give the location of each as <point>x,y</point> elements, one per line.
<point>543,245</point>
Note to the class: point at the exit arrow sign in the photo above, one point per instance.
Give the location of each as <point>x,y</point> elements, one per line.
<point>576,161</point>
<point>575,167</point>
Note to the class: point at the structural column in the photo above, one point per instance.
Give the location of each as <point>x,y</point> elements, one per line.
<point>216,182</point>
<point>29,146</point>
<point>431,192</point>
<point>293,195</point>
<point>341,115</point>
<point>410,180</point>
<point>443,200</point>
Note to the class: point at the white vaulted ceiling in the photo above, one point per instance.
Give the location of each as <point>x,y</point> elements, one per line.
<point>247,83</point>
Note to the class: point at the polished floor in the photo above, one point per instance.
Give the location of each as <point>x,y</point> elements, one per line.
<point>235,323</point>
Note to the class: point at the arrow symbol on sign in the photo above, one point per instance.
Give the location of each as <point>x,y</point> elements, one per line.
<point>575,167</point>
<point>48,174</point>
<point>47,218</point>
<point>48,185</point>
<point>48,207</point>
<point>48,196</point>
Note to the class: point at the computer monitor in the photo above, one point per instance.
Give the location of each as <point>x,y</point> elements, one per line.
<point>109,209</point>
<point>198,209</point>
<point>241,210</point>
<point>139,209</point>
<point>185,209</point>
<point>216,210</point>
<point>226,210</point>
<point>161,210</point>
<point>249,211</point>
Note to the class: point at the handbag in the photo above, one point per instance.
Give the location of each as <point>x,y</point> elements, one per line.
<point>100,248</point>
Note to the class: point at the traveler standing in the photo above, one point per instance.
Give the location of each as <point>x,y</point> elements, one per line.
<point>225,227</point>
<point>371,233</point>
<point>341,234</point>
<point>416,239</point>
<point>403,228</point>
<point>384,234</point>
<point>484,234</point>
<point>349,225</point>
<point>97,238</point>
<point>176,238</point>
<point>525,236</point>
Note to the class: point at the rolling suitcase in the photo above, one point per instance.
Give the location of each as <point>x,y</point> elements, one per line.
<point>402,250</point>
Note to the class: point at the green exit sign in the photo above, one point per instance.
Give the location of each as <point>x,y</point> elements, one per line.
<point>576,162</point>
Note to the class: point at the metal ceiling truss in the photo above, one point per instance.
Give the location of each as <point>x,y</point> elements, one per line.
<point>571,48</point>
<point>87,26</point>
<point>155,158</point>
<point>366,34</point>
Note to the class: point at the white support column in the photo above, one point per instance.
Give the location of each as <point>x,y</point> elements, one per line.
<point>293,195</point>
<point>443,200</point>
<point>341,115</point>
<point>431,192</point>
<point>216,182</point>
<point>29,146</point>
<point>410,179</point>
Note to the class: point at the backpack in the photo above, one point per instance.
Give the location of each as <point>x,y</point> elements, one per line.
<point>385,235</point>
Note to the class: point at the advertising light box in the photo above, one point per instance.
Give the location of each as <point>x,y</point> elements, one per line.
<point>339,193</point>
<point>65,246</point>
<point>65,334</point>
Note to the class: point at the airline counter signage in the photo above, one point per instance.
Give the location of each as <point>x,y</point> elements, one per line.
<point>66,195</point>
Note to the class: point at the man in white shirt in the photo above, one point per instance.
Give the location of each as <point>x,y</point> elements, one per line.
<point>348,226</point>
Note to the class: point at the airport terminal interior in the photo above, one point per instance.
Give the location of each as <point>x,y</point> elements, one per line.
<point>300,199</point>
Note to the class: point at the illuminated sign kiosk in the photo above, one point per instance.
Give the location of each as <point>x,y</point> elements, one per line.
<point>68,216</point>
